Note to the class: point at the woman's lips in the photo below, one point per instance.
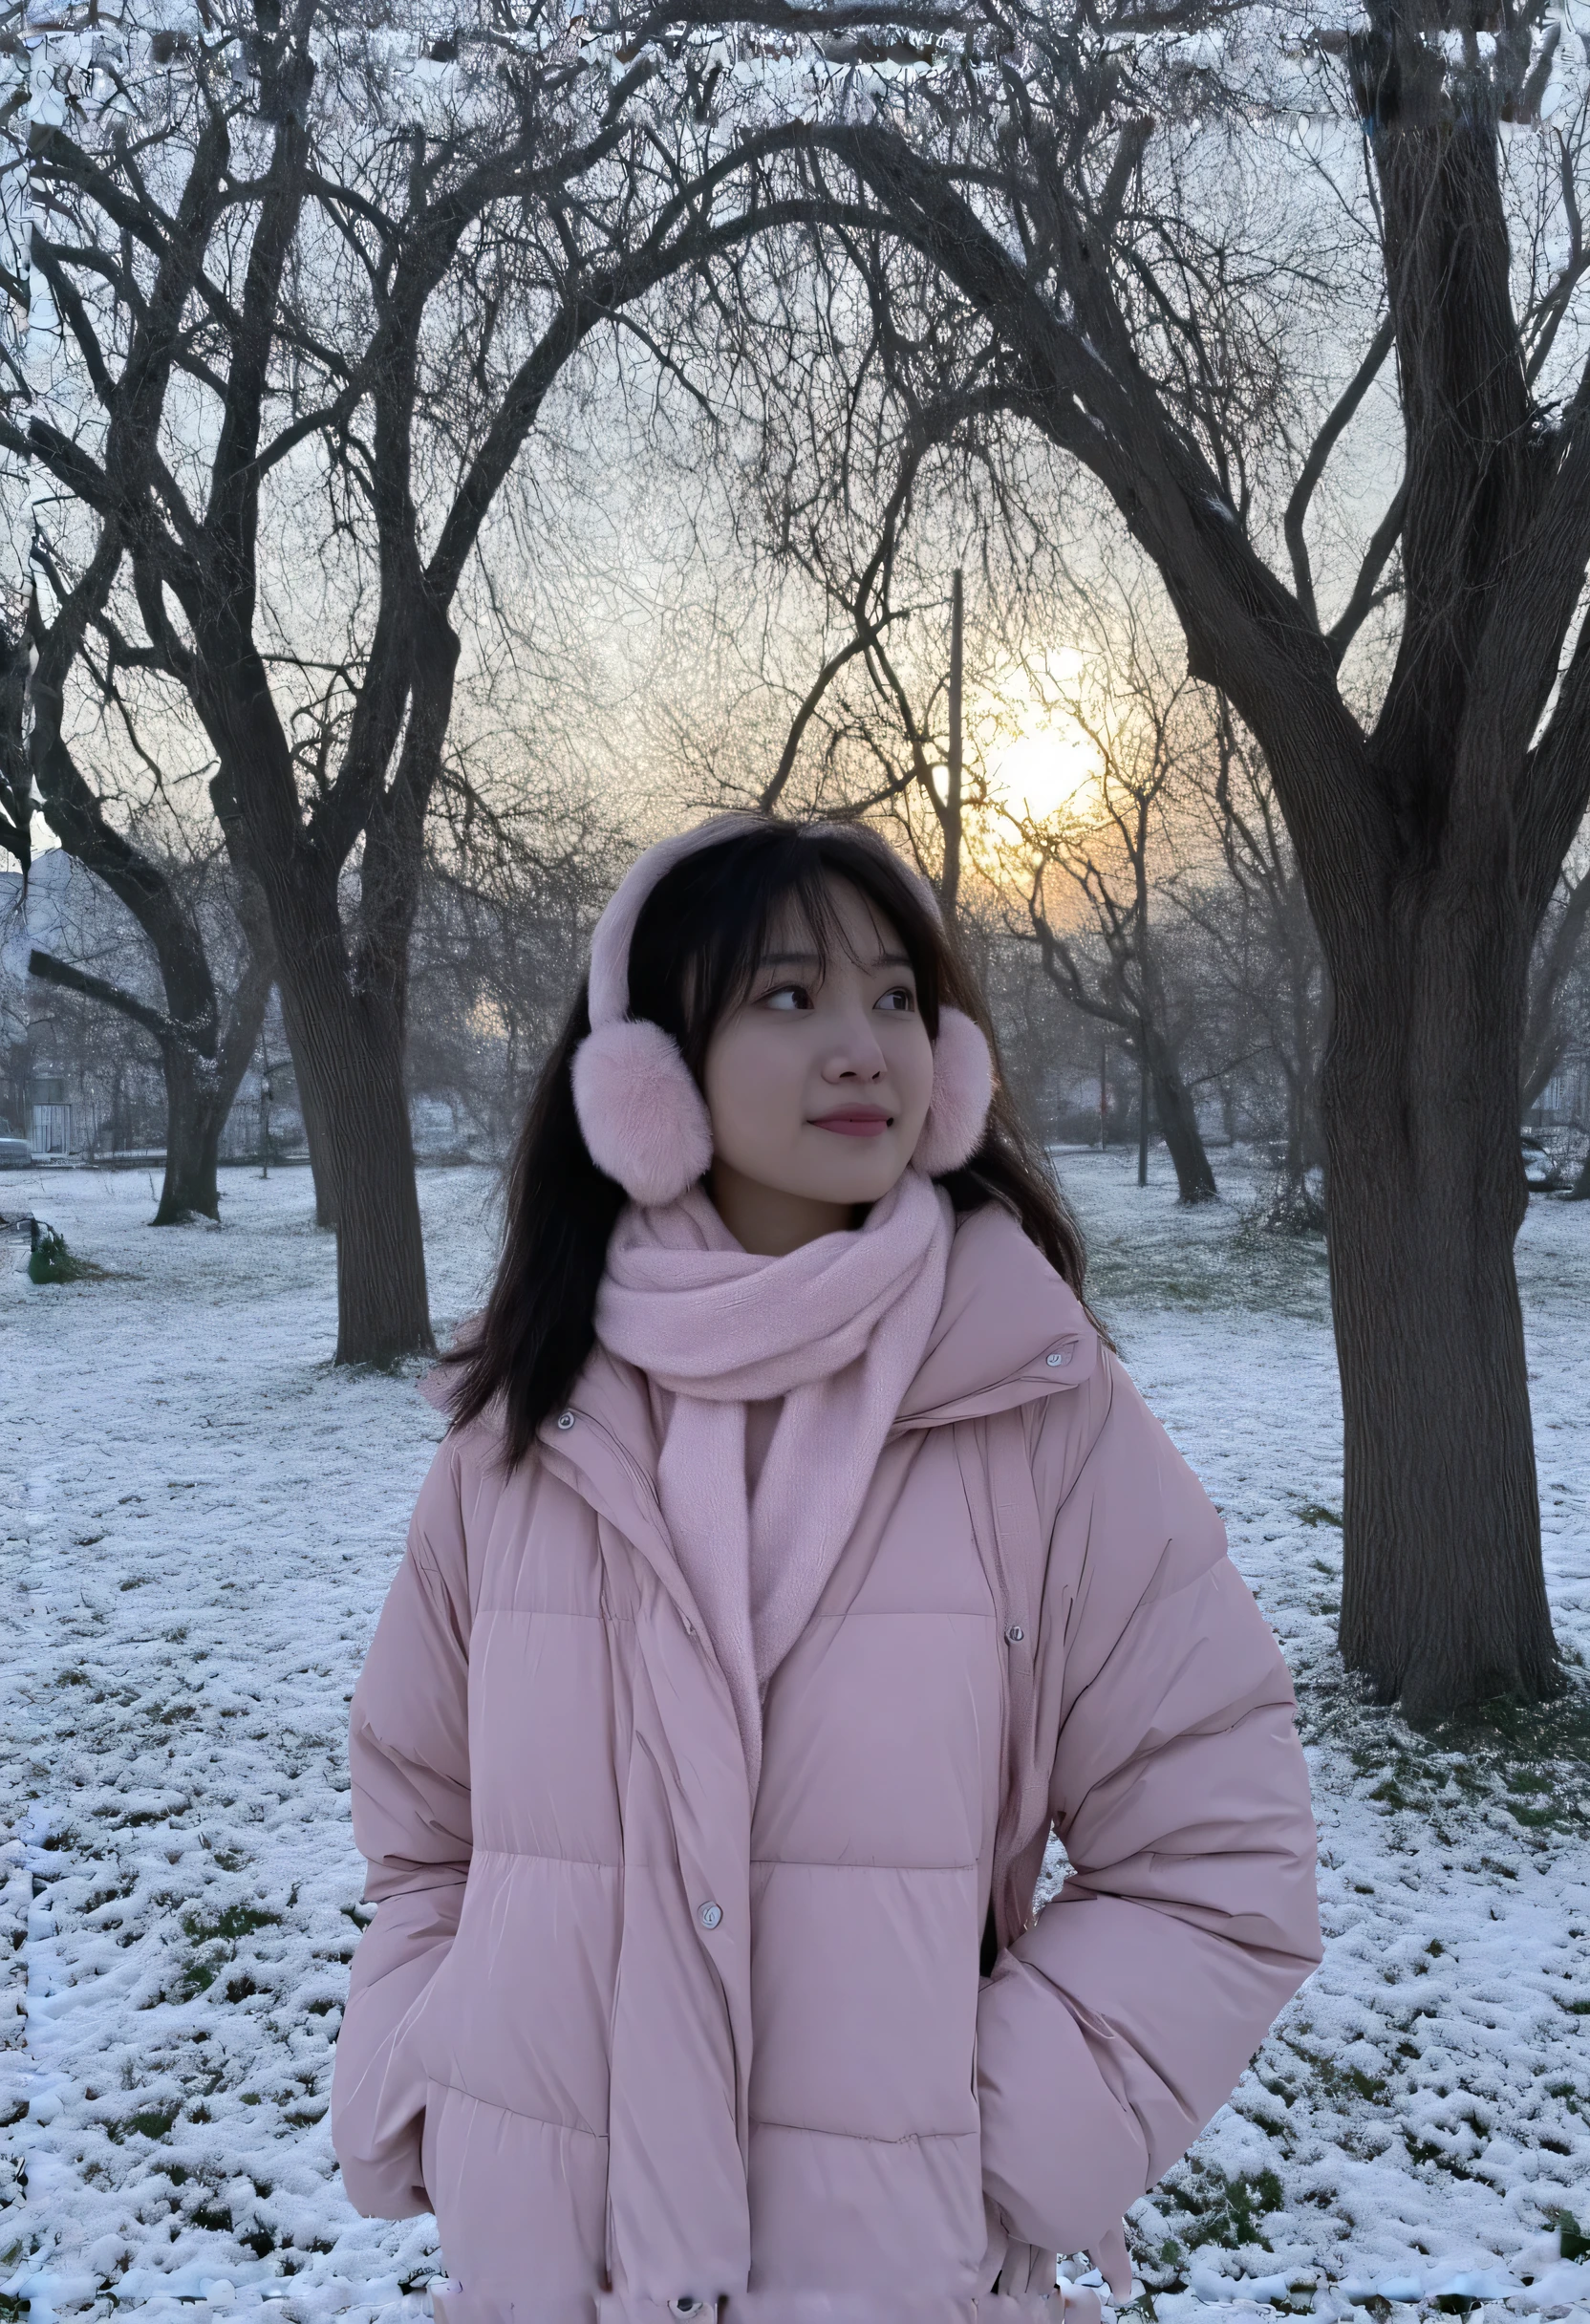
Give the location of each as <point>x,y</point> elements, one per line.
<point>854,1121</point>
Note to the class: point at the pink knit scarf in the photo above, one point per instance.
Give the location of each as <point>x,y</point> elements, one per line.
<point>838,1329</point>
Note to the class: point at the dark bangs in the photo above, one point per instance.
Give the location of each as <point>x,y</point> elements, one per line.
<point>706,924</point>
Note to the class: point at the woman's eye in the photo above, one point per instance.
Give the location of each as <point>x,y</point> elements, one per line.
<point>787,996</point>
<point>899,996</point>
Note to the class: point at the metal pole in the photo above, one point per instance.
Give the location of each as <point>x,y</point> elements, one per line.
<point>1142,1123</point>
<point>951,882</point>
<point>1103,1093</point>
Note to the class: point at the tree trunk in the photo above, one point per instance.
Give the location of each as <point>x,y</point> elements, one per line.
<point>200,1093</point>
<point>351,1043</point>
<point>255,911</point>
<point>1443,1600</point>
<point>201,1084</point>
<point>342,1005</point>
<point>193,1125</point>
<point>1178,1123</point>
<point>1295,1162</point>
<point>315,1135</point>
<point>197,1107</point>
<point>1295,1208</point>
<point>320,1166</point>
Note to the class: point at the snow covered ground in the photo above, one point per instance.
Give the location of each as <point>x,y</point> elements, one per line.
<point>199,1519</point>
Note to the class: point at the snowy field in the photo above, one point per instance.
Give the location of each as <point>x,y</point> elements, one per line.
<point>199,1519</point>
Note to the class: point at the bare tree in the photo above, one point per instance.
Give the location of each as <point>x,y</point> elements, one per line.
<point>506,911</point>
<point>864,510</point>
<point>15,774</point>
<point>315,307</point>
<point>1556,952</point>
<point>1133,256</point>
<point>1260,936</point>
<point>1100,842</point>
<point>885,715</point>
<point>204,1042</point>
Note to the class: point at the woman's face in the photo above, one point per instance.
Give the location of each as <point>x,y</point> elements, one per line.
<point>818,1083</point>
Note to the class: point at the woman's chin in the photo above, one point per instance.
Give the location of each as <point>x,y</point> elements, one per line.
<point>837,1172</point>
<point>864,1175</point>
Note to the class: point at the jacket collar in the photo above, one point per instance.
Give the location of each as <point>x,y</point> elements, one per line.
<point>1009,1332</point>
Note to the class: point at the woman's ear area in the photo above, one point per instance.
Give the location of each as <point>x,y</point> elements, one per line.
<point>962,1092</point>
<point>642,1117</point>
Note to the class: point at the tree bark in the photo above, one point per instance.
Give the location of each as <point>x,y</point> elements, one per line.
<point>1444,1602</point>
<point>255,913</point>
<point>201,1092</point>
<point>1178,1121</point>
<point>1294,1208</point>
<point>196,1111</point>
<point>316,1136</point>
<point>346,1032</point>
<point>382,1307</point>
<point>16,809</point>
<point>203,1061</point>
<point>193,1125</point>
<point>320,1164</point>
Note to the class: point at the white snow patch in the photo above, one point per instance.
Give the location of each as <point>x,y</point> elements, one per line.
<point>200,1517</point>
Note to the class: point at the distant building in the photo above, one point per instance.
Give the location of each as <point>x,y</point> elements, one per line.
<point>49,1112</point>
<point>1565,1103</point>
<point>78,1079</point>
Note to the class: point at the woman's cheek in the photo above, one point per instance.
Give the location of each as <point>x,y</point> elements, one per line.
<point>753,1097</point>
<point>913,1075</point>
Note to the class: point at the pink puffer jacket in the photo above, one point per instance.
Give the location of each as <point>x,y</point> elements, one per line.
<point>637,2047</point>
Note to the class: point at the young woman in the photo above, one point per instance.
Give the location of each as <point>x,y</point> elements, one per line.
<point>800,1557</point>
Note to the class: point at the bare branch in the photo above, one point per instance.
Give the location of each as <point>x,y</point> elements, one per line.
<point>48,970</point>
<point>1319,452</point>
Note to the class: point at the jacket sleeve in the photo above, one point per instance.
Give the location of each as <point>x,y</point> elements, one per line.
<point>409,1761</point>
<point>1116,2027</point>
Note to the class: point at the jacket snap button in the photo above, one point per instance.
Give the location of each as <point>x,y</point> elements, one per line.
<point>709,1916</point>
<point>1061,1355</point>
<point>1016,1634</point>
<point>565,1420</point>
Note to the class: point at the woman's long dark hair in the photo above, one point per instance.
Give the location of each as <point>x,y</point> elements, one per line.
<point>697,944</point>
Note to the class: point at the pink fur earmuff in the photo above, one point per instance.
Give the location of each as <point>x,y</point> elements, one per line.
<point>640,1113</point>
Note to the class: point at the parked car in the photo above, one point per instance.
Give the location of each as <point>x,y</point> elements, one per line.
<point>1541,1172</point>
<point>14,1154</point>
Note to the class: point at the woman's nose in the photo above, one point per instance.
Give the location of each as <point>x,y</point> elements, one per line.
<point>855,1055</point>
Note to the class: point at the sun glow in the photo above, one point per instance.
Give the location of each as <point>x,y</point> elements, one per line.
<point>1039,762</point>
<point>1042,772</point>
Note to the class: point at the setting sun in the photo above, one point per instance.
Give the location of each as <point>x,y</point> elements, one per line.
<point>1038,773</point>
